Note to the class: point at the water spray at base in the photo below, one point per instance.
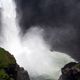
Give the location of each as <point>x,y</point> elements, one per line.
<point>30,51</point>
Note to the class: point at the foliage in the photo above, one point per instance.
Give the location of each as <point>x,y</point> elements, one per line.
<point>77,66</point>
<point>6,62</point>
<point>3,74</point>
<point>6,59</point>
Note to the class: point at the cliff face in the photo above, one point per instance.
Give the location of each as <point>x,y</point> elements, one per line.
<point>9,69</point>
<point>71,71</point>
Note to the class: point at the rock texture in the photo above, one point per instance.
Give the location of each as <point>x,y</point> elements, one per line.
<point>71,71</point>
<point>9,69</point>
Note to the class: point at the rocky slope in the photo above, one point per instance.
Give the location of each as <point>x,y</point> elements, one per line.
<point>71,71</point>
<point>9,69</point>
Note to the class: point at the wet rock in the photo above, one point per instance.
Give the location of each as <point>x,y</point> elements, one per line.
<point>22,74</point>
<point>9,69</point>
<point>70,71</point>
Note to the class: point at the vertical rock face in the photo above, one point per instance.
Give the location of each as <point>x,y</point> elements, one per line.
<point>71,71</point>
<point>9,69</point>
<point>22,74</point>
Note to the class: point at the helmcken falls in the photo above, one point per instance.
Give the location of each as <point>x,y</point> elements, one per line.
<point>31,50</point>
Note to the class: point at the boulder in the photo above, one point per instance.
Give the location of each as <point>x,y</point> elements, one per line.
<point>70,71</point>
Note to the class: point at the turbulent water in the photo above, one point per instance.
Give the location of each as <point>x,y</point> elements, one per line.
<point>30,51</point>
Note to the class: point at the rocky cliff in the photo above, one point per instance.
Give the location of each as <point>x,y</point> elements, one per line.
<point>70,71</point>
<point>9,69</point>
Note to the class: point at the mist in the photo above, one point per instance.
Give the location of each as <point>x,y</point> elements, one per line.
<point>31,50</point>
<point>60,20</point>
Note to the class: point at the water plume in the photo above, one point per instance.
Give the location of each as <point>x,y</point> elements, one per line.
<point>30,51</point>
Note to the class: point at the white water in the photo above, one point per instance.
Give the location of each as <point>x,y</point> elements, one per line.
<point>31,52</point>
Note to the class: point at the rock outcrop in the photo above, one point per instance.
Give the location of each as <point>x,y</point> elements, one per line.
<point>71,71</point>
<point>9,69</point>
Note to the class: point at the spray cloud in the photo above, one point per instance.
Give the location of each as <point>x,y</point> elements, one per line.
<point>30,51</point>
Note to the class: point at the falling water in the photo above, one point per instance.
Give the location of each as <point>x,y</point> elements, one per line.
<point>30,51</point>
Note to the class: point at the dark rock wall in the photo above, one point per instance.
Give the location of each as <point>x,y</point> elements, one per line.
<point>71,71</point>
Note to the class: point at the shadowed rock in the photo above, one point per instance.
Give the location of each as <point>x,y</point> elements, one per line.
<point>9,69</point>
<point>71,71</point>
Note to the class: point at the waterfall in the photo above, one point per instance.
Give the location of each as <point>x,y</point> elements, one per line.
<point>30,51</point>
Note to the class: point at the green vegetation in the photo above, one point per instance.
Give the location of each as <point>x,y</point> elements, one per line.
<point>6,62</point>
<point>77,66</point>
<point>3,74</point>
<point>6,59</point>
